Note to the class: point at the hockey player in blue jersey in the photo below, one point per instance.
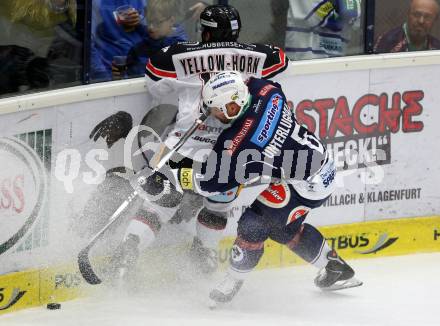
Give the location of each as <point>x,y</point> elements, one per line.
<point>263,145</point>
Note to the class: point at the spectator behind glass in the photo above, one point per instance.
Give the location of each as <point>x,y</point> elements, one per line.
<point>320,29</point>
<point>21,70</point>
<point>29,24</point>
<point>414,34</point>
<point>27,30</point>
<point>162,31</point>
<point>115,32</point>
<point>65,52</point>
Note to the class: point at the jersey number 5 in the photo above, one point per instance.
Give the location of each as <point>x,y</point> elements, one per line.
<point>303,137</point>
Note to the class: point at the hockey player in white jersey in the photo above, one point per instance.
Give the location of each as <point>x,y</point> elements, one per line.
<point>320,29</point>
<point>183,69</point>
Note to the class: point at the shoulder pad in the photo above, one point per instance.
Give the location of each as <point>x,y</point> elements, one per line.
<point>276,60</point>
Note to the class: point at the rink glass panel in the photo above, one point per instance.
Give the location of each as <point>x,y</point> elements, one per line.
<point>44,43</point>
<point>391,14</point>
<point>266,22</point>
<point>41,45</point>
<point>112,42</point>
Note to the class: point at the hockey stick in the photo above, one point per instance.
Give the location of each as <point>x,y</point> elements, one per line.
<point>85,267</point>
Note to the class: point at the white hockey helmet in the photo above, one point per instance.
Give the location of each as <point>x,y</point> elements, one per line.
<point>223,88</point>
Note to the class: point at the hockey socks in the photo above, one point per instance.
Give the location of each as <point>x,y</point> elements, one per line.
<point>145,226</point>
<point>310,245</point>
<point>245,256</point>
<point>209,227</point>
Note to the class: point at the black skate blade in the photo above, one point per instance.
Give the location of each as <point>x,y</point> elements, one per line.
<point>342,285</point>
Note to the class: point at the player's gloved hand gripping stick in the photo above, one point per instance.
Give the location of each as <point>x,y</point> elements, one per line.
<point>140,180</point>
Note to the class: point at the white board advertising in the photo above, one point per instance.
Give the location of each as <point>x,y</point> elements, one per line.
<point>379,125</point>
<point>53,162</point>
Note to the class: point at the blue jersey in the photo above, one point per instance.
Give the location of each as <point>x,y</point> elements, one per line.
<point>265,141</point>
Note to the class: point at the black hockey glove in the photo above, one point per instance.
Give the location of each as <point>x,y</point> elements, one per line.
<point>113,128</point>
<point>160,190</point>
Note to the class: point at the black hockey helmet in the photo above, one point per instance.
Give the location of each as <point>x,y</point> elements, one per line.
<point>220,23</point>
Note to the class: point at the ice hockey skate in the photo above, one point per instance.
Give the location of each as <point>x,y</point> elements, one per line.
<point>337,275</point>
<point>124,260</point>
<point>225,291</point>
<point>204,259</point>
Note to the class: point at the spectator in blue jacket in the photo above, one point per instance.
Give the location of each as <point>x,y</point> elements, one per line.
<point>162,31</point>
<point>114,34</point>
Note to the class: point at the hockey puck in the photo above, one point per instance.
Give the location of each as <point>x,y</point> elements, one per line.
<point>53,306</point>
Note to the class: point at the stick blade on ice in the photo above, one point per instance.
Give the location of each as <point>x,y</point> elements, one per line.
<point>85,267</point>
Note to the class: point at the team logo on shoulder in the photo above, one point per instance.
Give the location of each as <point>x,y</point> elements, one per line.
<point>296,213</point>
<point>276,196</point>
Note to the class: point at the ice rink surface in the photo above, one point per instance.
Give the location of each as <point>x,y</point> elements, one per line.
<point>400,291</point>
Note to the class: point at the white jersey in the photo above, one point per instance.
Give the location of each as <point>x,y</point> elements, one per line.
<point>314,31</point>
<point>183,68</point>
